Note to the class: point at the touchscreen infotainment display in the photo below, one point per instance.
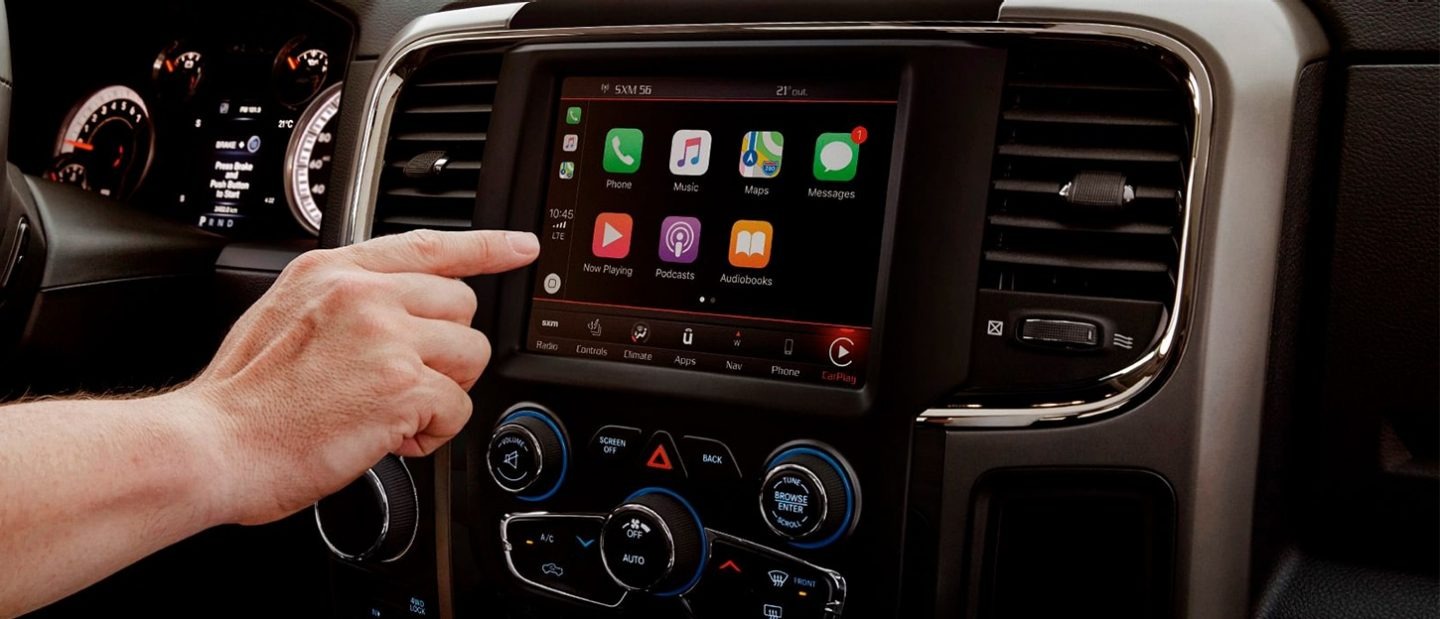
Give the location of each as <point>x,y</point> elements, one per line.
<point>731,226</point>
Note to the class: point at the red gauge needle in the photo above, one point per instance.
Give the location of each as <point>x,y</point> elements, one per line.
<point>169,66</point>
<point>294,62</point>
<point>80,145</point>
<point>119,157</point>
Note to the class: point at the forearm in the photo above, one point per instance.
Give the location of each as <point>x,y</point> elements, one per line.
<point>90,486</point>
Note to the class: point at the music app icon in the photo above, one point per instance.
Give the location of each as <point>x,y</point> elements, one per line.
<point>690,152</point>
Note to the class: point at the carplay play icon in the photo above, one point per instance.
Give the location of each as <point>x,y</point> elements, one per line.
<point>612,236</point>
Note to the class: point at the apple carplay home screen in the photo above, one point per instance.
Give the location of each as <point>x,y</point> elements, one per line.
<point>730,226</point>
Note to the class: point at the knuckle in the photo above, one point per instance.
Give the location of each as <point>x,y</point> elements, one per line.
<point>344,285</point>
<point>307,263</point>
<point>399,374</point>
<point>465,300</point>
<point>428,245</point>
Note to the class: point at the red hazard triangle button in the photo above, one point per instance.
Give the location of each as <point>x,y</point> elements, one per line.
<point>661,456</point>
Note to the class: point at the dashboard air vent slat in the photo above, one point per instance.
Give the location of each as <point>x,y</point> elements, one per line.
<point>436,144</point>
<point>1091,159</point>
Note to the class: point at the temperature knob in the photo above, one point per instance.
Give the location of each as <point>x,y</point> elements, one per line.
<point>527,455</point>
<point>809,497</point>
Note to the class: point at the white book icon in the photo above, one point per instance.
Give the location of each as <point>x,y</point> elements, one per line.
<point>750,243</point>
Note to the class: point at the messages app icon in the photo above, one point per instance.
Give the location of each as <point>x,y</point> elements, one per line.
<point>836,157</point>
<point>760,154</point>
<point>622,150</point>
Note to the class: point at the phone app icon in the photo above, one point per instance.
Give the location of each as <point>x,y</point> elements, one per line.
<point>760,154</point>
<point>567,170</point>
<point>572,115</point>
<point>622,150</point>
<point>750,243</point>
<point>680,239</point>
<point>690,152</point>
<point>612,236</point>
<point>836,157</point>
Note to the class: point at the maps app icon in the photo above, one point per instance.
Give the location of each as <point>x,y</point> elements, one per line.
<point>760,154</point>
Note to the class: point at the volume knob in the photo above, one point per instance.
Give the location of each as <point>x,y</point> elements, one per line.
<point>527,455</point>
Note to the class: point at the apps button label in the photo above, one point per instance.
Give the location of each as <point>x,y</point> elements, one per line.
<point>680,239</point>
<point>612,236</point>
<point>690,152</point>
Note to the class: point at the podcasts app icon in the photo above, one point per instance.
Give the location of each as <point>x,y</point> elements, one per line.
<point>680,239</point>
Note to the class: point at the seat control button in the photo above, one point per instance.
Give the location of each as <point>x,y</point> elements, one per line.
<point>709,459</point>
<point>1077,334</point>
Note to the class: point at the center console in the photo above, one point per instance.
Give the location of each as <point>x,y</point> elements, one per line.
<point>689,408</point>
<point>846,319</point>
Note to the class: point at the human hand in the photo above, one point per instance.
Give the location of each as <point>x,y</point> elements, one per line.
<point>353,353</point>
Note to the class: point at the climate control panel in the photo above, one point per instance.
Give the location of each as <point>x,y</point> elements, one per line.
<point>657,545</point>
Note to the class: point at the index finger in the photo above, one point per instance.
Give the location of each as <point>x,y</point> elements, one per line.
<point>451,254</point>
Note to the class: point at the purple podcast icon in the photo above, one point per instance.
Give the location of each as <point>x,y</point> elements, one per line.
<point>680,239</point>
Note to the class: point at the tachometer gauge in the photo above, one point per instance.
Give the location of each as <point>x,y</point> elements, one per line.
<point>308,158</point>
<point>110,138</point>
<point>299,72</point>
<point>178,71</point>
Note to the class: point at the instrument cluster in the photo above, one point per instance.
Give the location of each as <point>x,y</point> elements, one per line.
<point>226,122</point>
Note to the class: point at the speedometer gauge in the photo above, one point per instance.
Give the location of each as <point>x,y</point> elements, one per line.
<point>308,158</point>
<point>106,143</point>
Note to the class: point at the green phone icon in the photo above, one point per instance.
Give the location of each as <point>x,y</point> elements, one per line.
<point>572,115</point>
<point>836,157</point>
<point>622,150</point>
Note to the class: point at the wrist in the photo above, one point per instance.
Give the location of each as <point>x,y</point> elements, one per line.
<point>202,442</point>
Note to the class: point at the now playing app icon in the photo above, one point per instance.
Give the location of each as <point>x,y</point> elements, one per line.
<point>612,236</point>
<point>680,239</point>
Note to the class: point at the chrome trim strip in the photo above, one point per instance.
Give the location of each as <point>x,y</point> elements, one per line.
<point>510,562</point>
<point>444,579</point>
<point>482,25</point>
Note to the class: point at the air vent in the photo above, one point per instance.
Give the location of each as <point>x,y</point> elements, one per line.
<point>436,144</point>
<point>1089,175</point>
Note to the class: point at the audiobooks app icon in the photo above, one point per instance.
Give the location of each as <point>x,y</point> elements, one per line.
<point>750,244</point>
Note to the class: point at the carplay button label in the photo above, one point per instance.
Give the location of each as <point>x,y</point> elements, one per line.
<point>612,236</point>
